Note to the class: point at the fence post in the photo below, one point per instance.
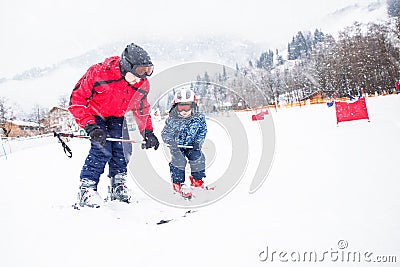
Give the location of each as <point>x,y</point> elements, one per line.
<point>2,145</point>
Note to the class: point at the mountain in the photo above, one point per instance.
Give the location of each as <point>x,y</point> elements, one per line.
<point>363,12</point>
<point>221,49</point>
<point>46,84</point>
<point>227,50</point>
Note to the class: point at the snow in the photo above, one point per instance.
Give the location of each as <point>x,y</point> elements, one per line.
<point>328,183</point>
<point>24,123</point>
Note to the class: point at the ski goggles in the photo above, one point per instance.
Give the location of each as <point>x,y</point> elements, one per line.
<point>142,71</point>
<point>183,107</point>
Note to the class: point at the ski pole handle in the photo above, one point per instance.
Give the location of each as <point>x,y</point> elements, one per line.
<point>178,146</point>
<point>71,135</point>
<point>183,146</point>
<point>66,148</point>
<point>124,140</point>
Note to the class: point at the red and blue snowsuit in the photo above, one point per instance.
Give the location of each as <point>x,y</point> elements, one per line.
<point>179,131</point>
<point>103,96</point>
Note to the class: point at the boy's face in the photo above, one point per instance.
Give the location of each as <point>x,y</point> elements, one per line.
<point>184,109</point>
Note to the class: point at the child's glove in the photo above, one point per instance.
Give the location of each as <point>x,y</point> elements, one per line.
<point>96,134</point>
<point>196,146</point>
<point>150,139</point>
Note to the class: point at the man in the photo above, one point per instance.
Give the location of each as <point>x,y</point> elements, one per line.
<point>99,101</point>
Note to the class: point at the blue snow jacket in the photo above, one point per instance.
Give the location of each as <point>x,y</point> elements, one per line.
<point>184,131</point>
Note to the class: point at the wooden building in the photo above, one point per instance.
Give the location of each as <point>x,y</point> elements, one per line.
<point>61,120</point>
<point>18,128</point>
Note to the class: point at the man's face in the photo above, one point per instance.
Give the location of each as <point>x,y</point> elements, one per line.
<point>130,78</point>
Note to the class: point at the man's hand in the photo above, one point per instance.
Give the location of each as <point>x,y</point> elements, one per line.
<point>96,134</point>
<point>150,139</point>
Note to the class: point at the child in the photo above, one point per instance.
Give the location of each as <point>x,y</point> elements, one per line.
<point>184,131</point>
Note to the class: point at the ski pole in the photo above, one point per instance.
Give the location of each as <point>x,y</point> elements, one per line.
<point>88,137</point>
<point>124,140</point>
<point>183,146</point>
<point>178,146</point>
<point>68,150</point>
<point>115,139</point>
<point>4,150</point>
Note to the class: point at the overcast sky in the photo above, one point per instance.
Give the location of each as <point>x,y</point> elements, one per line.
<point>42,32</point>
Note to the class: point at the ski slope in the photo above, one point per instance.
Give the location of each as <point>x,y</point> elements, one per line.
<point>329,185</point>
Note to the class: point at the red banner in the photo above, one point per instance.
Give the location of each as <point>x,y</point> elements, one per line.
<point>259,116</point>
<point>351,111</point>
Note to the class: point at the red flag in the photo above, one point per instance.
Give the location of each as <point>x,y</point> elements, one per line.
<point>351,111</point>
<point>259,116</point>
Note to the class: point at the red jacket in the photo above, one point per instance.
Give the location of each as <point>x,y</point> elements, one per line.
<point>102,91</point>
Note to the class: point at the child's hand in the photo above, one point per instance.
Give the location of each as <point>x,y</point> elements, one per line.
<point>196,146</point>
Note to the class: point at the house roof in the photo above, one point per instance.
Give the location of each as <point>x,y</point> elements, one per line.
<point>24,123</point>
<point>316,93</point>
<point>57,107</point>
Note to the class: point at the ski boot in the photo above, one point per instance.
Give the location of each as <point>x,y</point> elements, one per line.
<point>88,195</point>
<point>199,184</point>
<point>182,190</point>
<point>118,189</point>
<point>196,183</point>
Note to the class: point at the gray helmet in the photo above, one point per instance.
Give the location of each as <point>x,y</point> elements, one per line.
<point>133,57</point>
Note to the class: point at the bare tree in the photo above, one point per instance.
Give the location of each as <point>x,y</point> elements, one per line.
<point>4,112</point>
<point>39,115</point>
<point>63,101</point>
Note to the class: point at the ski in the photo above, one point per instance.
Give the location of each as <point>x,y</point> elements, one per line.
<point>176,219</point>
<point>186,195</point>
<point>163,221</point>
<point>182,191</point>
<point>199,184</point>
<point>107,202</point>
<point>207,188</point>
<point>191,193</point>
<point>110,198</point>
<point>76,206</point>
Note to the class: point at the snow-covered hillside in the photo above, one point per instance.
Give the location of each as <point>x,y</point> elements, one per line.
<point>329,186</point>
<point>362,12</point>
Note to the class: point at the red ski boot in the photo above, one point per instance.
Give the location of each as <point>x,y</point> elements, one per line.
<point>196,183</point>
<point>182,191</point>
<point>199,184</point>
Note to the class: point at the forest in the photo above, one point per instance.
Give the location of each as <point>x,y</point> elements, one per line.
<point>363,58</point>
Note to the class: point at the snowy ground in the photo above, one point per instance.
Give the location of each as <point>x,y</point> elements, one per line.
<point>329,186</point>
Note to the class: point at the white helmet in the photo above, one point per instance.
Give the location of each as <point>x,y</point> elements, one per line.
<point>184,95</point>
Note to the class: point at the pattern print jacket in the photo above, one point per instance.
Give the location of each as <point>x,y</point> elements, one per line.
<point>189,131</point>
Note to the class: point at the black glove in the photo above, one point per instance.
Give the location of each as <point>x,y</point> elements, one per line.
<point>96,134</point>
<point>150,139</point>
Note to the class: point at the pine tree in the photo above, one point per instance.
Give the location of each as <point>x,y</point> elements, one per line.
<point>266,60</point>
<point>318,37</point>
<point>279,58</point>
<point>393,7</point>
